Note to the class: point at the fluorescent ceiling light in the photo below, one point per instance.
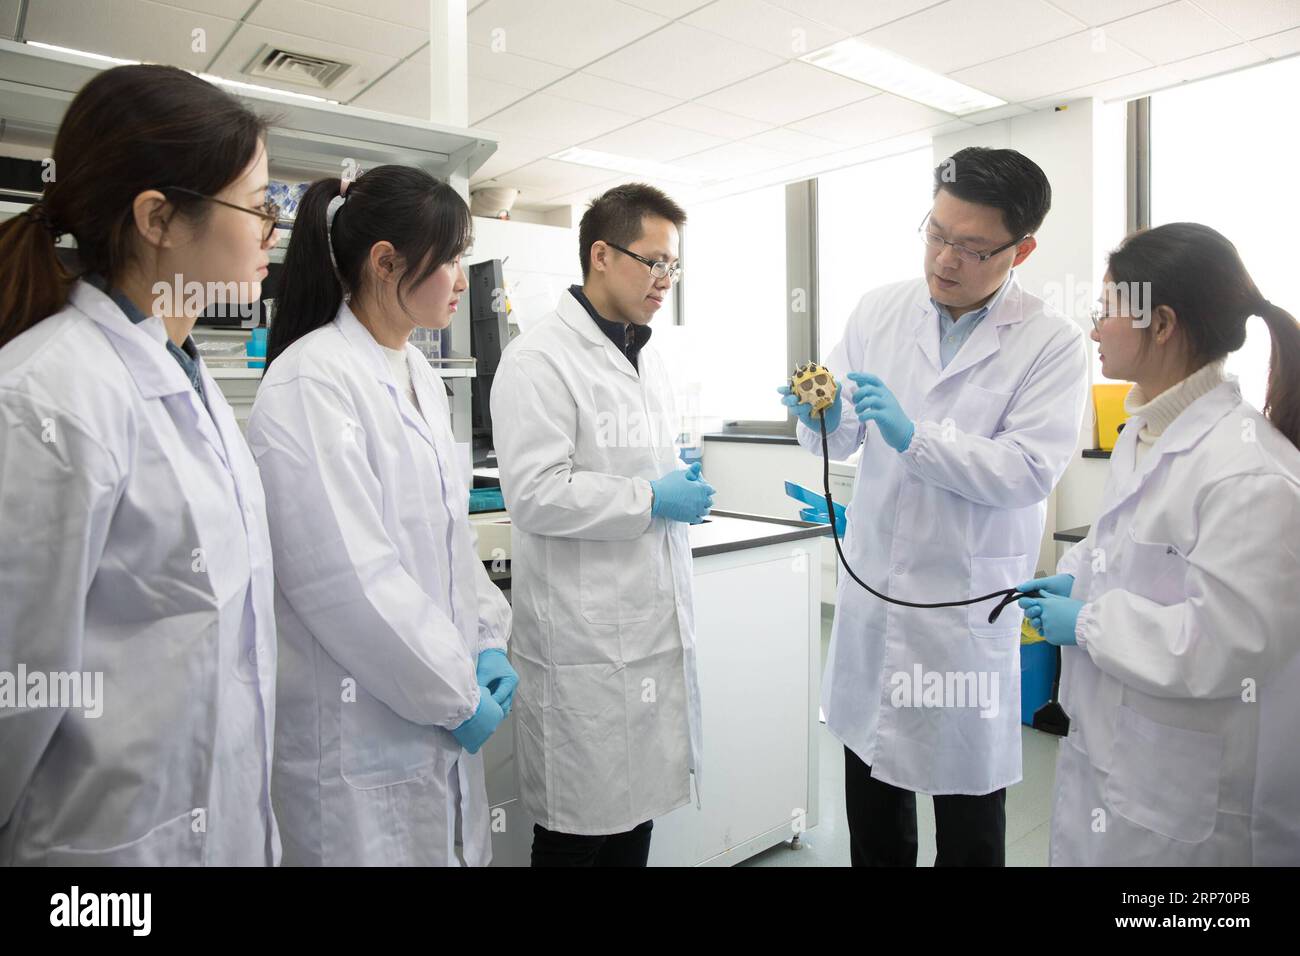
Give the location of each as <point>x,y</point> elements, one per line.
<point>631,165</point>
<point>221,80</point>
<point>893,74</point>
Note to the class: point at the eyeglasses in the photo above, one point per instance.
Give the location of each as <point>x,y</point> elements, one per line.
<point>660,270</point>
<point>1100,316</point>
<point>936,243</point>
<point>268,211</point>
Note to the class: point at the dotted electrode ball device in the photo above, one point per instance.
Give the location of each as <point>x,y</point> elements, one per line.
<point>814,384</point>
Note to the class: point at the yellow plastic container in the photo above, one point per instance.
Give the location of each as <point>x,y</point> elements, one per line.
<point>1027,633</point>
<point>1108,401</point>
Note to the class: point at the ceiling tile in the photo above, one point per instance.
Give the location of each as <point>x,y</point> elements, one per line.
<point>572,33</point>
<point>1096,12</point>
<point>248,41</point>
<point>961,33</point>
<point>227,9</point>
<point>410,13</point>
<point>708,120</point>
<point>1120,88</point>
<point>549,177</point>
<point>512,152</point>
<point>1065,64</point>
<point>795,144</point>
<point>405,90</point>
<point>319,22</point>
<point>9,18</point>
<point>504,67</point>
<point>874,119</point>
<point>546,117</point>
<point>995,114</point>
<point>1280,44</point>
<point>767,27</point>
<point>684,62</point>
<point>488,96</point>
<point>854,16</point>
<point>734,159</point>
<point>598,91</point>
<point>788,93</point>
<point>1250,19</point>
<point>669,8</point>
<point>128,29</point>
<point>1172,32</point>
<point>1220,61</point>
<point>653,140</point>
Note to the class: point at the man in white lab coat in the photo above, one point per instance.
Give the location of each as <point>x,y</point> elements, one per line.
<point>607,713</point>
<point>977,393</point>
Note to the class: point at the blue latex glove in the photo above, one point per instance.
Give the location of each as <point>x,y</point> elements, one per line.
<point>1053,616</point>
<point>804,411</point>
<point>682,495</point>
<point>1058,584</point>
<point>475,732</point>
<point>495,673</point>
<point>874,402</point>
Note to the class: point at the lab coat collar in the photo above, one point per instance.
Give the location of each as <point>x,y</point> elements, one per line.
<point>372,358</point>
<point>573,314</point>
<point>142,346</point>
<point>1005,308</point>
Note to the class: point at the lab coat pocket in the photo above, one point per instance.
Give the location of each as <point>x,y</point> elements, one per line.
<point>993,574</point>
<point>1155,571</point>
<point>619,580</point>
<point>1164,779</point>
<point>978,411</point>
<point>379,748</point>
<point>173,843</point>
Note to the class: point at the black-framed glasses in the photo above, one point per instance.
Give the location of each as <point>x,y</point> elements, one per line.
<point>268,211</point>
<point>936,243</point>
<point>660,269</point>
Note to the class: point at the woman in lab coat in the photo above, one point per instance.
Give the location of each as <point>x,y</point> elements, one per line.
<point>392,637</point>
<point>135,567</point>
<point>1178,612</point>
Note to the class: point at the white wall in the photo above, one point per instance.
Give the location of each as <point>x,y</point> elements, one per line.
<point>541,262</point>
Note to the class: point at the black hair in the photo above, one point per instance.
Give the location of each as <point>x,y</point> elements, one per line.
<point>1198,273</point>
<point>425,219</point>
<point>616,216</point>
<point>130,129</point>
<point>1007,180</point>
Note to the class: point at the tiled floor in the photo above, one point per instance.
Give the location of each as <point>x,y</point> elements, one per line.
<point>1028,808</point>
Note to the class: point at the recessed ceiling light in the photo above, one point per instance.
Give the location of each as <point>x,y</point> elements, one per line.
<point>85,53</point>
<point>893,74</point>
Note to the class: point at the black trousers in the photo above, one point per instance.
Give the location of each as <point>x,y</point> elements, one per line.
<point>969,831</point>
<point>631,848</point>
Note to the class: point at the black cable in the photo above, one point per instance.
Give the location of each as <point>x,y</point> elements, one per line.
<point>1008,595</point>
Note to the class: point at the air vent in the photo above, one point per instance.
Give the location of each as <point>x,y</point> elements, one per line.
<point>300,69</point>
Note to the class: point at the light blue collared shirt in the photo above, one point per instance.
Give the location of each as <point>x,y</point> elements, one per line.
<point>953,333</point>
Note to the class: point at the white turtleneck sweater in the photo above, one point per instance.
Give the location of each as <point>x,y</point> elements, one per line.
<point>1159,413</point>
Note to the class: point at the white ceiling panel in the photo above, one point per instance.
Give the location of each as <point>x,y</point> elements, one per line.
<point>708,120</point>
<point>548,177</point>
<point>767,27</point>
<point>336,26</point>
<point>1254,18</point>
<point>1172,32</point>
<point>1096,12</point>
<point>653,140</point>
<point>672,9</point>
<point>874,119</point>
<point>598,91</point>
<point>995,114</point>
<point>545,117</point>
<point>1119,88</point>
<point>795,144</point>
<point>1220,61</point>
<point>488,96</point>
<point>227,9</point>
<point>1064,64</point>
<point>405,90</point>
<point>128,29</point>
<point>961,33</point>
<point>512,152</point>
<point>1280,44</point>
<point>505,67</point>
<point>410,13</point>
<point>854,16</point>
<point>684,61</point>
<point>734,159</point>
<point>788,93</point>
<point>571,33</point>
<point>9,18</point>
<point>248,41</point>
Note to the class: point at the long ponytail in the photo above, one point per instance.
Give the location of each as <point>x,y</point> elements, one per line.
<point>1282,401</point>
<point>310,288</point>
<point>33,282</point>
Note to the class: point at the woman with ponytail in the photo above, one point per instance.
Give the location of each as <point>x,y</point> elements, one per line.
<point>1180,612</point>
<point>135,571</point>
<point>392,637</point>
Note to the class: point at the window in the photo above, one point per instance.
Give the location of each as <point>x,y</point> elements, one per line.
<point>866,237</point>
<point>1220,155</point>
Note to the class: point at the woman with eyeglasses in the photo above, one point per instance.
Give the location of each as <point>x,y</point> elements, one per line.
<point>136,591</point>
<point>393,671</point>
<point>1179,614</point>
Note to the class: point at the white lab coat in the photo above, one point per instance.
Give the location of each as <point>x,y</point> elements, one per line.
<point>135,545</point>
<point>959,514</point>
<point>608,707</point>
<point>1184,691</point>
<point>383,607</point>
